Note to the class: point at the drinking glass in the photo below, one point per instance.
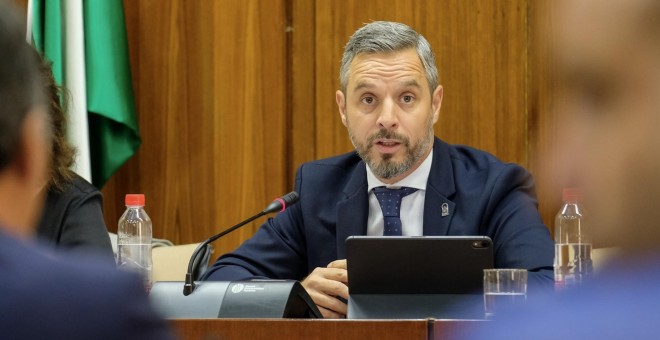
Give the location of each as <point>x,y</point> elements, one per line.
<point>503,287</point>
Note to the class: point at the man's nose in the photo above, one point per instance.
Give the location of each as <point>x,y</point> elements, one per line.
<point>388,118</point>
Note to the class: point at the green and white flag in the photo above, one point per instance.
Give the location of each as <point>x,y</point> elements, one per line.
<point>86,41</point>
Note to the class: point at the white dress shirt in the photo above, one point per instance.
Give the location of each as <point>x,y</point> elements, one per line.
<point>412,206</point>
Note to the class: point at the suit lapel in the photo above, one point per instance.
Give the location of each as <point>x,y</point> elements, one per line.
<point>438,209</point>
<point>352,212</point>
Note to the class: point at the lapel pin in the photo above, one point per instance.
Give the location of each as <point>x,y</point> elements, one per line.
<point>445,209</point>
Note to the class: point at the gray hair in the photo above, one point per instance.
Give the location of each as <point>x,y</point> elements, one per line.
<point>385,37</point>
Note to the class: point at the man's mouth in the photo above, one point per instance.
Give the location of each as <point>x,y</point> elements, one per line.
<point>387,145</point>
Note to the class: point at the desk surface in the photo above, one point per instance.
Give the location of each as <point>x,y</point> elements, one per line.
<point>320,329</point>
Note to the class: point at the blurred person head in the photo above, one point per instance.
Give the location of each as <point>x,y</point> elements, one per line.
<point>389,98</point>
<point>608,55</point>
<point>24,131</point>
<point>62,152</point>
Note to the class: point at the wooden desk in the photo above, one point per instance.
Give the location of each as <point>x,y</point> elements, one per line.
<point>320,329</point>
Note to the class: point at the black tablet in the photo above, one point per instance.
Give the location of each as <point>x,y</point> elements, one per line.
<point>444,269</point>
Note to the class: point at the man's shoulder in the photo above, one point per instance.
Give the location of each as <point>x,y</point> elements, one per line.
<point>61,291</point>
<point>341,163</point>
<point>472,159</point>
<point>35,273</point>
<point>472,167</point>
<point>332,176</point>
<point>468,162</point>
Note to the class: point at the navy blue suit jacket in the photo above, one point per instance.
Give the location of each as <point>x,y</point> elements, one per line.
<point>42,297</point>
<point>485,197</point>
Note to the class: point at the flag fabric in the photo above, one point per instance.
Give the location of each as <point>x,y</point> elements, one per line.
<point>86,42</point>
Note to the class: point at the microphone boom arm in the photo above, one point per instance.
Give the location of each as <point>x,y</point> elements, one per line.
<point>279,203</point>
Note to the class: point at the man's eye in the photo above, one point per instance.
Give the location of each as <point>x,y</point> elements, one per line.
<point>408,99</point>
<point>368,100</point>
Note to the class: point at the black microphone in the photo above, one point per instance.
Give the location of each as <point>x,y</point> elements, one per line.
<point>278,205</point>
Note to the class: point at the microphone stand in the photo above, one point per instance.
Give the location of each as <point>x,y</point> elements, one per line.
<point>279,204</point>
<point>189,286</point>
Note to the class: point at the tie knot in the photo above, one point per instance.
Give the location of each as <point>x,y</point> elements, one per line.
<point>390,199</point>
<point>387,192</point>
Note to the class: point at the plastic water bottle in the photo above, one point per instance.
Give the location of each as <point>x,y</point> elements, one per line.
<point>572,242</point>
<point>134,239</point>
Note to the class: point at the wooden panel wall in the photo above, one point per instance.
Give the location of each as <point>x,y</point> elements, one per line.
<point>210,80</point>
<point>234,94</point>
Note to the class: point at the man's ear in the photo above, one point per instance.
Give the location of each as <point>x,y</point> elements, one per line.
<point>341,103</point>
<point>437,103</point>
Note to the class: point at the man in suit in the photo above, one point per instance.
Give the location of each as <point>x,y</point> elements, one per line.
<point>607,59</point>
<point>389,101</point>
<point>42,297</point>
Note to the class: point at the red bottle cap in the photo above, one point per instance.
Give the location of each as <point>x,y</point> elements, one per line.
<point>572,195</point>
<point>135,199</point>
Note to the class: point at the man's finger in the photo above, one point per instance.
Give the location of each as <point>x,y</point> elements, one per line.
<point>335,288</point>
<point>317,277</point>
<point>328,302</point>
<point>340,264</point>
<point>335,274</point>
<point>328,314</point>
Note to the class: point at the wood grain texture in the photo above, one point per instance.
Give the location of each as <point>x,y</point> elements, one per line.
<point>302,54</point>
<point>303,329</point>
<point>210,82</point>
<point>322,329</point>
<point>233,95</point>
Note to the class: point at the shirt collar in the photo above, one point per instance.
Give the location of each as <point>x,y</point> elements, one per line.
<point>417,179</point>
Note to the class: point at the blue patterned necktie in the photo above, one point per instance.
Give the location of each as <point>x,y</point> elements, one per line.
<point>390,204</point>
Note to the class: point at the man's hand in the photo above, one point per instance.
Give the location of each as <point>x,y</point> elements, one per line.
<point>326,285</point>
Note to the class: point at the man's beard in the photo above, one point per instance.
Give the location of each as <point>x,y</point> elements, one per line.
<point>387,168</point>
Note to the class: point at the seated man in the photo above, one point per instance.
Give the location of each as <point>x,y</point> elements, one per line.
<point>389,102</point>
<point>41,296</point>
